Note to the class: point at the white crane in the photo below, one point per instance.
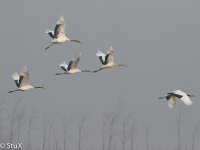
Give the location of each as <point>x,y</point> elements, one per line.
<point>22,81</point>
<point>58,35</point>
<point>107,59</point>
<point>171,98</point>
<point>72,67</point>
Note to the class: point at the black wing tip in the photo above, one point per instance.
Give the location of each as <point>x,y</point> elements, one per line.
<point>63,68</point>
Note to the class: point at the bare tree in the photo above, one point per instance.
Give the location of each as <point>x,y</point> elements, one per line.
<point>185,147</point>
<point>50,127</point>
<point>30,127</point>
<point>81,126</point>
<point>44,134</point>
<point>125,133</point>
<point>178,125</point>
<point>113,117</point>
<point>112,122</point>
<point>12,117</point>
<point>194,134</point>
<point>66,124</point>
<point>105,119</point>
<point>147,138</point>
<point>132,132</point>
<point>47,128</point>
<point>20,123</point>
<point>55,140</point>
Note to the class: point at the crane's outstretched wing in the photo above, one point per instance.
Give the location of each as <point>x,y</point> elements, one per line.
<point>174,94</point>
<point>186,100</point>
<point>16,77</point>
<point>171,100</point>
<point>63,66</point>
<point>101,56</point>
<point>107,60</point>
<point>69,65</point>
<point>24,77</point>
<point>59,28</point>
<point>110,55</point>
<point>74,61</point>
<point>184,97</point>
<point>51,33</point>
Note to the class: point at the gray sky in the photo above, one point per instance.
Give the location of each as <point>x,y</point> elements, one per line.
<point>158,40</point>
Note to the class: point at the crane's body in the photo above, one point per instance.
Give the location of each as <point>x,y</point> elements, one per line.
<point>60,40</point>
<point>107,60</point>
<point>22,81</point>
<point>72,67</point>
<point>26,88</point>
<point>171,98</point>
<point>58,35</point>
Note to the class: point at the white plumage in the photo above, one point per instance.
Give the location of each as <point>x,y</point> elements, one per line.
<point>22,81</point>
<point>72,66</point>
<point>15,76</point>
<point>49,31</point>
<point>171,102</point>
<point>185,98</point>
<point>171,98</point>
<point>63,64</point>
<point>58,34</point>
<point>107,59</point>
<point>101,54</point>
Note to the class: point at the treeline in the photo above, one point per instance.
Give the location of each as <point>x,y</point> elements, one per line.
<point>117,131</point>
